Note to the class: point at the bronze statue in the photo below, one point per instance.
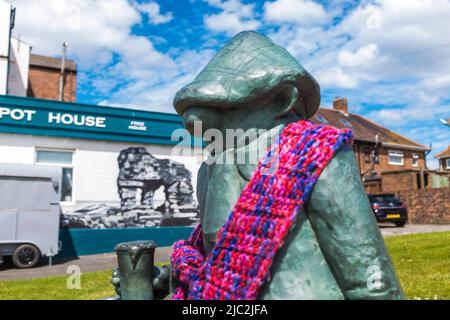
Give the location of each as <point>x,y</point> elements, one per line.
<point>335,249</point>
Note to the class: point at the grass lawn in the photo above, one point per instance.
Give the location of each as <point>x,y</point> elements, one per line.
<point>422,262</point>
<point>94,285</point>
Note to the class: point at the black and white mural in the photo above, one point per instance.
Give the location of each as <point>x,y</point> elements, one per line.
<point>153,192</point>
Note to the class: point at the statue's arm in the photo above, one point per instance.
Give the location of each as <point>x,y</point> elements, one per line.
<point>202,188</point>
<point>348,233</point>
<point>223,192</point>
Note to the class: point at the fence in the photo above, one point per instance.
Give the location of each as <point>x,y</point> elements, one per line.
<point>427,206</point>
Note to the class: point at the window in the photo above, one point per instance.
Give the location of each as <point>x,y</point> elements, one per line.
<point>54,157</point>
<point>448,163</point>
<point>396,158</point>
<point>385,198</point>
<point>345,123</point>
<point>64,159</point>
<point>415,160</point>
<point>321,119</point>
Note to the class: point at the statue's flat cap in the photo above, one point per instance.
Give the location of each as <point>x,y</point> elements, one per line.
<point>246,69</point>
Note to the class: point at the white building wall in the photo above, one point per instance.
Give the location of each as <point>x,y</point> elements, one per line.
<point>96,182</point>
<point>3,74</point>
<point>95,163</point>
<point>19,65</point>
<point>16,154</point>
<point>5,20</point>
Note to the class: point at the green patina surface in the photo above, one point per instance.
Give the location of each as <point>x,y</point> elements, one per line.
<point>335,250</point>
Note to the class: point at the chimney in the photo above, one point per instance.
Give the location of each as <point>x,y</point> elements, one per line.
<point>340,104</point>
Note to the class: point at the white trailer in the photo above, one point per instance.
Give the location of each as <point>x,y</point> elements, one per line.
<point>29,213</point>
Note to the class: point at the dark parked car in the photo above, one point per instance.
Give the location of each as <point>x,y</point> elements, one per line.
<point>389,208</point>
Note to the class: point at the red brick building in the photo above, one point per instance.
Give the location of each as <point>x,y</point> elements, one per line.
<point>44,78</point>
<point>385,158</point>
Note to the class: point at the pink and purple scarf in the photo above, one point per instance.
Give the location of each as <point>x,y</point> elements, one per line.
<point>238,265</point>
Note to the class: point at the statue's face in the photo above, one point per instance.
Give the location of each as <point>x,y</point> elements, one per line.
<point>262,114</point>
<point>248,117</point>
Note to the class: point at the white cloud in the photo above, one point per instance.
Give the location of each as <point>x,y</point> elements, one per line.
<point>152,9</point>
<point>408,35</point>
<point>234,17</point>
<point>395,117</point>
<point>95,30</point>
<point>236,6</point>
<point>230,23</point>
<point>336,77</point>
<point>377,41</point>
<point>437,81</point>
<point>302,12</point>
<point>110,57</point>
<point>144,95</point>
<point>363,55</point>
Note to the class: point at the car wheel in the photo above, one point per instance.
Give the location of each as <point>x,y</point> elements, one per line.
<point>26,256</point>
<point>400,224</point>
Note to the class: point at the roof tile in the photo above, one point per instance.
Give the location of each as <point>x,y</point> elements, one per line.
<point>444,154</point>
<point>37,60</point>
<point>363,129</point>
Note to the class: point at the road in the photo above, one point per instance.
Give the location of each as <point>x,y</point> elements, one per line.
<point>90,263</point>
<point>109,260</point>
<point>391,230</point>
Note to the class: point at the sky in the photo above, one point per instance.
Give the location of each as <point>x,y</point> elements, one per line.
<point>391,59</point>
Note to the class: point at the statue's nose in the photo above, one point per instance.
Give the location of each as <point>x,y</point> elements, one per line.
<point>199,119</point>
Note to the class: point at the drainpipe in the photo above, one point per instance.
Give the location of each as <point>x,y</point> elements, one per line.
<point>373,152</point>
<point>422,179</point>
<point>11,27</point>
<point>358,158</point>
<point>63,69</point>
<point>426,153</point>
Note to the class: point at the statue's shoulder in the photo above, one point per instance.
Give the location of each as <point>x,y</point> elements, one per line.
<point>340,171</point>
<point>341,165</point>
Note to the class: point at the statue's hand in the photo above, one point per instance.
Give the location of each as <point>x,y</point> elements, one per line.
<point>115,281</point>
<point>161,282</point>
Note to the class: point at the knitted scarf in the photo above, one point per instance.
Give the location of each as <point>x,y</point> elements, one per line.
<point>238,265</point>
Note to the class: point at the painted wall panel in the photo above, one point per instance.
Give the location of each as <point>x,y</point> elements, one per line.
<point>156,189</point>
<point>77,242</point>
